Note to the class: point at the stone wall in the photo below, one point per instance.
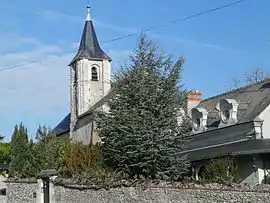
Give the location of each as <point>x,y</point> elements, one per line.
<point>22,192</point>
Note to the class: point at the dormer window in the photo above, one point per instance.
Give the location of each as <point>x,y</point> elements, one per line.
<point>196,124</point>
<point>227,111</point>
<point>225,115</point>
<point>94,74</point>
<point>199,120</point>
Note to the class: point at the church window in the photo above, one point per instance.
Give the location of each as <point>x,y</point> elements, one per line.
<point>94,74</point>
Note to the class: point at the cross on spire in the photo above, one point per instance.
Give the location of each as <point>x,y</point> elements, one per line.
<point>88,17</point>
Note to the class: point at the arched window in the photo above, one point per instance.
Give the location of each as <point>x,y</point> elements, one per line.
<point>94,74</point>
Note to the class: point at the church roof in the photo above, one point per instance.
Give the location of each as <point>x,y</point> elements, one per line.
<point>89,46</point>
<point>63,126</point>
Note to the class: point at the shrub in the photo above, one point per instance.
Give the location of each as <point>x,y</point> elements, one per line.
<point>223,171</point>
<point>78,159</point>
<point>71,160</point>
<point>29,158</point>
<point>5,149</point>
<point>45,154</point>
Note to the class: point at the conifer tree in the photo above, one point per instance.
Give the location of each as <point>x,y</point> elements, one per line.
<point>19,150</point>
<point>43,132</point>
<point>140,133</point>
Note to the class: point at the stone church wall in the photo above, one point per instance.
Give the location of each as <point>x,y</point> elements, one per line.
<point>83,130</point>
<point>22,192</point>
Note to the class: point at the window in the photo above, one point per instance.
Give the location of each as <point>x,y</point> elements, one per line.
<point>225,115</point>
<point>199,119</point>
<point>196,124</point>
<point>94,74</point>
<point>228,111</point>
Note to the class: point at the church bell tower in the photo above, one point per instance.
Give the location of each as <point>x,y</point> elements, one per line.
<point>89,73</point>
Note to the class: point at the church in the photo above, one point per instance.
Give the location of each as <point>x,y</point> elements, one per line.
<point>90,72</point>
<point>232,124</point>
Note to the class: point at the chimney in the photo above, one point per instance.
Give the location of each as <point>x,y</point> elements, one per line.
<point>193,99</point>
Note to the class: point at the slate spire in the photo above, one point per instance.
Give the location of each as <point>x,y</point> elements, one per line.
<point>89,45</point>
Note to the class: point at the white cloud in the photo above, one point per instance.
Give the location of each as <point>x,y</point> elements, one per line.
<point>40,88</point>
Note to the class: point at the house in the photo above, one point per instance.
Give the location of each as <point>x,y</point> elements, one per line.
<point>90,87</point>
<point>236,124</point>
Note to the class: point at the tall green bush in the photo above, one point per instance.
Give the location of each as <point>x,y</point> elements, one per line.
<point>19,151</point>
<point>82,162</point>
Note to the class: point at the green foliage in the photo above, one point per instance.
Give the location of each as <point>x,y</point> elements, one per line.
<point>46,154</point>
<point>79,158</point>
<point>82,162</point>
<point>72,160</point>
<point>5,150</point>
<point>140,134</point>
<point>29,158</point>
<point>43,132</point>
<point>223,170</point>
<point>19,150</point>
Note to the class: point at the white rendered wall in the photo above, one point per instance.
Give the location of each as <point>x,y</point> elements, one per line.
<point>89,91</point>
<point>265,116</point>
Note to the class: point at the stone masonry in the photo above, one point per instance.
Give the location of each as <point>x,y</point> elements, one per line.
<point>22,192</point>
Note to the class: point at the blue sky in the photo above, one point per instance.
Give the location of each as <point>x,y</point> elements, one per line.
<point>217,47</point>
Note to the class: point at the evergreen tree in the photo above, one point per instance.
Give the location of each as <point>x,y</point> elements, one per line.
<point>140,133</point>
<point>29,158</point>
<point>47,150</point>
<point>43,132</point>
<point>19,150</point>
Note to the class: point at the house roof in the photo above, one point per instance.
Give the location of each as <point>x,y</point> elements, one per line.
<point>252,100</point>
<point>89,45</point>
<point>253,146</point>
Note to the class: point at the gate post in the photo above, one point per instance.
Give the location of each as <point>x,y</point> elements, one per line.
<point>45,175</point>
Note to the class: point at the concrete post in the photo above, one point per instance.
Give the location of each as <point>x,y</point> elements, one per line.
<point>47,176</point>
<point>40,194</point>
<point>51,190</point>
